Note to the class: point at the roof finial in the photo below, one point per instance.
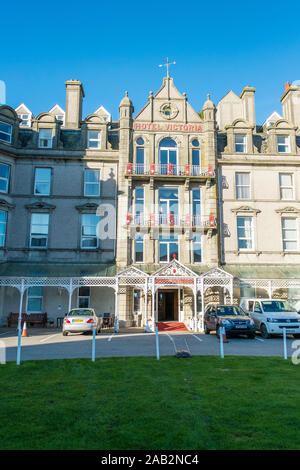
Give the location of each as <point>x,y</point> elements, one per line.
<point>126,93</point>
<point>208,96</point>
<point>167,64</point>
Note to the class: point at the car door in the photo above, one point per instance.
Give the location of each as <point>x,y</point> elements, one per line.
<point>256,314</point>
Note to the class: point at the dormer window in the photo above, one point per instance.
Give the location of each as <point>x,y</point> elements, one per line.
<point>94,139</point>
<point>5,132</point>
<point>283,144</point>
<point>60,117</point>
<point>45,138</point>
<point>240,143</point>
<point>25,119</point>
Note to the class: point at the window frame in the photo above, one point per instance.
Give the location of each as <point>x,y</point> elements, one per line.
<point>142,243</point>
<point>6,133</point>
<point>49,140</point>
<point>284,240</point>
<point>5,229</point>
<point>197,243</point>
<point>240,186</point>
<point>244,144</point>
<point>286,145</point>
<point>167,242</point>
<point>245,238</point>
<point>41,181</point>
<point>282,187</point>
<point>39,236</point>
<point>34,297</point>
<point>84,237</point>
<point>88,183</point>
<point>7,179</point>
<point>89,139</point>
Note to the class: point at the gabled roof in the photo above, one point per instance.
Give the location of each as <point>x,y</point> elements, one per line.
<point>103,112</point>
<point>131,271</point>
<point>23,106</point>
<point>274,117</point>
<point>174,268</point>
<point>56,109</point>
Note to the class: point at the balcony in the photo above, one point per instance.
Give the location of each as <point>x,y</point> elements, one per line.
<point>171,220</point>
<point>170,170</point>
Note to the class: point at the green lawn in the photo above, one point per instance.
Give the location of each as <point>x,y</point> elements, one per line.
<point>141,403</point>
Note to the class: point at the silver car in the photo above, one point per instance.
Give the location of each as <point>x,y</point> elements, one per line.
<point>81,320</point>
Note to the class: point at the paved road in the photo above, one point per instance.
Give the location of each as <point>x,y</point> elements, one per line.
<point>50,344</point>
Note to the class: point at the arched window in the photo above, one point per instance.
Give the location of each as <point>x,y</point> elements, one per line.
<point>168,157</point>
<point>196,162</point>
<point>140,156</point>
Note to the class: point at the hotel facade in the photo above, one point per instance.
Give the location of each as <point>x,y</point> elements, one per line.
<point>151,217</point>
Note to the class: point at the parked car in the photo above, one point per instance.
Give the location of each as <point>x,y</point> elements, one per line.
<point>270,316</point>
<point>232,317</point>
<point>81,320</point>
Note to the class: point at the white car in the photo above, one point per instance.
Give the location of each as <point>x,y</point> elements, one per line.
<point>270,316</point>
<point>81,320</point>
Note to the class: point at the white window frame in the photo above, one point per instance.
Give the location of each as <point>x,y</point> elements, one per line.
<point>284,239</point>
<point>244,143</point>
<point>245,238</point>
<point>8,132</point>
<point>283,187</point>
<point>286,145</point>
<point>27,119</point>
<point>90,139</point>
<point>49,140</point>
<point>3,225</point>
<point>240,186</point>
<point>168,243</point>
<point>34,297</point>
<point>6,179</point>
<point>92,183</point>
<point>36,181</point>
<point>197,243</point>
<point>41,235</point>
<point>139,242</point>
<point>85,237</point>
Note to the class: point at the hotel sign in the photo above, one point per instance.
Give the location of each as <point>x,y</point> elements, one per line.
<point>173,281</point>
<point>166,126</point>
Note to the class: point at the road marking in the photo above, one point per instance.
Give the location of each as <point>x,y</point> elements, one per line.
<point>111,337</point>
<point>1,334</point>
<point>199,339</point>
<point>187,345</point>
<point>48,337</point>
<point>259,339</point>
<point>171,339</point>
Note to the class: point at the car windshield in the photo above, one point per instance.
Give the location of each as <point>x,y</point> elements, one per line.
<point>229,311</point>
<point>78,312</point>
<point>277,306</point>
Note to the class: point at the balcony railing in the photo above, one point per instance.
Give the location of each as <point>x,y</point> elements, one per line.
<point>171,220</point>
<point>170,170</point>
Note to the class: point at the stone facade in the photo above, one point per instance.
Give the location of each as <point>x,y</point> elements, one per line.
<point>209,189</point>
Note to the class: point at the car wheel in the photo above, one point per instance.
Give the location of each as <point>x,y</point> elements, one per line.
<point>65,333</point>
<point>264,331</point>
<point>206,330</point>
<point>296,335</point>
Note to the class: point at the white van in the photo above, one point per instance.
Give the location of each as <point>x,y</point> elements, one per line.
<point>270,316</point>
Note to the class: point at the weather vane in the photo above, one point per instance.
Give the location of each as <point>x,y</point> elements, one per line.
<point>167,64</point>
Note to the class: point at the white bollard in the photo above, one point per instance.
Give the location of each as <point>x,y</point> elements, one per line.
<point>221,342</point>
<point>284,344</point>
<point>94,344</point>
<point>157,343</point>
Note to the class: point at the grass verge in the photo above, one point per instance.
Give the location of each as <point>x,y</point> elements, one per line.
<point>141,403</point>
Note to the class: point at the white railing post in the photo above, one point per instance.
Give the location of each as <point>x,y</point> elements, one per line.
<point>20,323</point>
<point>284,344</point>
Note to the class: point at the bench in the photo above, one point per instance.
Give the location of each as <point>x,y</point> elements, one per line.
<point>29,318</point>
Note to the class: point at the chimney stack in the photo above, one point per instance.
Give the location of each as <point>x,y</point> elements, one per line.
<point>74,97</point>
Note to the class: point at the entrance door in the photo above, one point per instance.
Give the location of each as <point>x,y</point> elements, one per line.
<point>167,305</point>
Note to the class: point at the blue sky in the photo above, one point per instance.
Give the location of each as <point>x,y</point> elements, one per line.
<point>116,46</point>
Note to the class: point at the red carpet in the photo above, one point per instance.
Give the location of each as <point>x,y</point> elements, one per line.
<point>171,326</point>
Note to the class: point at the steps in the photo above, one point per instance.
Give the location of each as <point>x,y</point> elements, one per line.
<point>171,326</point>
